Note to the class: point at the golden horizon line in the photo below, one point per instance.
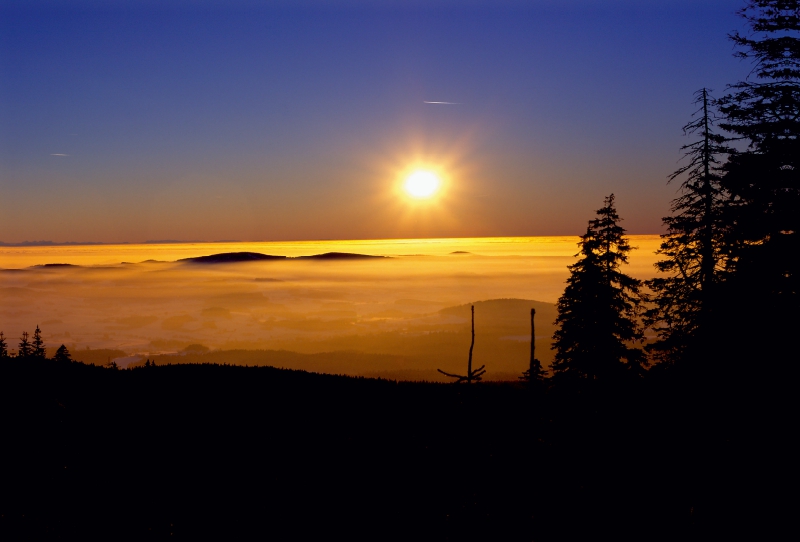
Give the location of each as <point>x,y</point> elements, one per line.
<point>46,244</point>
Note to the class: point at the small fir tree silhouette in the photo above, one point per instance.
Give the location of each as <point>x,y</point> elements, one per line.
<point>534,372</point>
<point>471,376</point>
<point>25,348</point>
<point>37,344</point>
<point>3,346</point>
<point>62,354</point>
<point>597,314</point>
<point>693,246</point>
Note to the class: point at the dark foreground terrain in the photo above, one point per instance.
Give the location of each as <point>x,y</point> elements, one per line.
<point>209,451</point>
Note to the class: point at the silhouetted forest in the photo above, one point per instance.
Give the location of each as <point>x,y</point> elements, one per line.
<point>208,450</point>
<point>687,437</point>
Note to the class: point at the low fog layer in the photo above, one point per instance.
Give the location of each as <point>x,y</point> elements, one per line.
<point>405,316</point>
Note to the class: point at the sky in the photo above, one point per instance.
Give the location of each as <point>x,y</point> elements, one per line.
<point>127,121</point>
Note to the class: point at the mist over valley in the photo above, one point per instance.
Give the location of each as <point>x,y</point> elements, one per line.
<point>392,309</point>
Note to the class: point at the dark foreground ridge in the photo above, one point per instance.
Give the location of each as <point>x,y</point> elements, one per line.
<point>233,257</point>
<point>222,452</point>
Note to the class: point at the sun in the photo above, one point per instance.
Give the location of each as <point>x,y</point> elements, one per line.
<point>421,184</point>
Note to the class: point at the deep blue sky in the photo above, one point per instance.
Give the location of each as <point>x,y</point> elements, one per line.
<point>292,120</point>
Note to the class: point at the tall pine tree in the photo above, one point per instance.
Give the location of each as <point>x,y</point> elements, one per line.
<point>764,181</point>
<point>3,346</point>
<point>597,314</point>
<point>38,349</point>
<point>765,112</point>
<point>25,348</point>
<point>693,248</point>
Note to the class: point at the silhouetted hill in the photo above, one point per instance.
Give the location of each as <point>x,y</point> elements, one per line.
<point>353,363</point>
<point>339,256</point>
<point>509,313</point>
<point>232,257</point>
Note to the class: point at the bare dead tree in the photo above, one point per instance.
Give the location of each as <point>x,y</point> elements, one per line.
<point>534,371</point>
<point>471,376</point>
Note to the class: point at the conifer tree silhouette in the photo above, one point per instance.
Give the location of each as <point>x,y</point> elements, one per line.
<point>3,346</point>
<point>764,111</point>
<point>62,354</point>
<point>764,182</point>
<point>471,376</point>
<point>25,348</point>
<point>693,246</point>
<point>597,314</point>
<point>38,348</point>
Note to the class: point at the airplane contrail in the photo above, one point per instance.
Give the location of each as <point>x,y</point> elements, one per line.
<point>443,103</point>
<point>59,154</point>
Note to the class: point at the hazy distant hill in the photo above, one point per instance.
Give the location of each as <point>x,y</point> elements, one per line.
<point>99,356</point>
<point>339,256</point>
<point>510,315</point>
<point>439,340</point>
<point>234,257</point>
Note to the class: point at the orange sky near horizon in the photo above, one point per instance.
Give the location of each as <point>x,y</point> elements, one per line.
<point>642,259</point>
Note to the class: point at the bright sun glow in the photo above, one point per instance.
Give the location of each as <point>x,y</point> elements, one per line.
<point>422,184</point>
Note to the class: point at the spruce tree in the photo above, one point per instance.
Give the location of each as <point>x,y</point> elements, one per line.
<point>62,354</point>
<point>693,246</point>
<point>597,314</point>
<point>3,346</point>
<point>764,182</point>
<point>38,344</point>
<point>25,348</point>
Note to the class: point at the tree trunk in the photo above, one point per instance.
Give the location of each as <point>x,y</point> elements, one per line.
<point>533,348</point>
<point>471,345</point>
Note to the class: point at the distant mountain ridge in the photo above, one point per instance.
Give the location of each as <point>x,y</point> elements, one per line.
<point>235,257</point>
<point>50,243</point>
<point>339,256</point>
<point>232,257</point>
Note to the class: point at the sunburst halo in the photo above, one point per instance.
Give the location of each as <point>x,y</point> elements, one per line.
<point>422,184</point>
